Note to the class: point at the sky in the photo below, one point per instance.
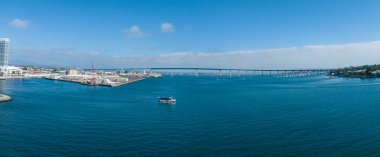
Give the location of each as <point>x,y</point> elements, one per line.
<point>270,34</point>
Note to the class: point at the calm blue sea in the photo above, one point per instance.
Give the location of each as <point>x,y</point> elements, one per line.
<point>260,116</point>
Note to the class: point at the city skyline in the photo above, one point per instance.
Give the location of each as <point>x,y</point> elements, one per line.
<point>247,34</point>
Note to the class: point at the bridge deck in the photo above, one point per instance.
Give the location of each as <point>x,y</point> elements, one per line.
<point>223,69</point>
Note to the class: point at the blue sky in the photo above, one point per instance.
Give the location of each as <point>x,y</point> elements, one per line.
<point>100,31</point>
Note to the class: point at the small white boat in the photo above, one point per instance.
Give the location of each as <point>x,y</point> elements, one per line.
<point>167,100</point>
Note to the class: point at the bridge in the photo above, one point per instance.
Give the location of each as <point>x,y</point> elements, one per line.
<point>230,71</point>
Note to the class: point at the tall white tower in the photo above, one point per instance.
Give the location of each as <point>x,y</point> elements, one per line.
<point>4,51</point>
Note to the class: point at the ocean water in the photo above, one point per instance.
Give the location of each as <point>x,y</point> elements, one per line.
<point>259,116</point>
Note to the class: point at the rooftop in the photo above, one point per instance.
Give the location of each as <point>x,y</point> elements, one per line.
<point>4,39</point>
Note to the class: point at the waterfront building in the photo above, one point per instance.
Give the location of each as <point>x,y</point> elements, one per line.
<point>5,69</point>
<point>376,73</point>
<point>10,71</point>
<point>72,72</point>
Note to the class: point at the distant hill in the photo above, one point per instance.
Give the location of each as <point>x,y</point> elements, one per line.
<point>365,71</point>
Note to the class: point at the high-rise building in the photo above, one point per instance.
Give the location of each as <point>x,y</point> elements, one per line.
<point>6,70</point>
<point>4,51</point>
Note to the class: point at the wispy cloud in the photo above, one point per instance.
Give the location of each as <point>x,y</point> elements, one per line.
<point>134,31</point>
<point>167,27</point>
<point>314,56</point>
<point>19,23</point>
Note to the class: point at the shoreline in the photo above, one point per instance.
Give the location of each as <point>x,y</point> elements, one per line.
<point>18,77</point>
<point>355,76</point>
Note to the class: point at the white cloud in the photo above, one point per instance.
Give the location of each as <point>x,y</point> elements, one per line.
<point>134,31</point>
<point>314,56</point>
<point>167,27</point>
<point>19,23</point>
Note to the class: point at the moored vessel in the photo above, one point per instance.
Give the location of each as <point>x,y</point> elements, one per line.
<point>167,100</point>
